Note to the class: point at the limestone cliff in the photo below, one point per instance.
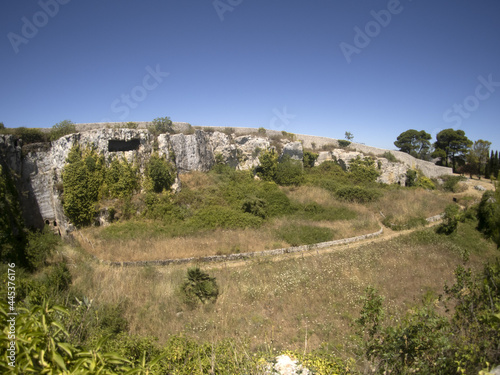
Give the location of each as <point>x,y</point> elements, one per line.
<point>39,166</point>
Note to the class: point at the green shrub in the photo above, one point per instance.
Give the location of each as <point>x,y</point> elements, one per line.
<point>61,129</point>
<point>310,159</point>
<point>296,234</point>
<point>261,131</point>
<point>289,172</point>
<point>390,157</point>
<point>83,178</point>
<point>160,172</point>
<point>451,183</point>
<point>343,143</point>
<point>363,170</point>
<point>59,277</point>
<point>357,194</point>
<point>199,287</point>
<point>425,183</point>
<point>411,177</point>
<point>268,165</point>
<point>255,206</point>
<point>488,214</point>
<point>121,178</point>
<point>450,220</point>
<point>30,135</point>
<point>40,245</point>
<point>131,125</point>
<point>161,125</point>
<point>223,217</point>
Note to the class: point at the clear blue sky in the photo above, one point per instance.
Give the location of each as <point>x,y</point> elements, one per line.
<point>299,66</point>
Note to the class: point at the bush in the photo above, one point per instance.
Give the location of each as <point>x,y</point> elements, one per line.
<point>357,194</point>
<point>59,277</point>
<point>255,206</point>
<point>488,214</point>
<point>289,172</point>
<point>343,143</point>
<point>83,178</point>
<point>310,159</point>
<point>363,170</point>
<point>450,220</point>
<point>268,165</point>
<point>451,183</point>
<point>121,178</point>
<point>223,217</point>
<point>199,287</point>
<point>61,129</point>
<point>261,131</point>
<point>40,245</point>
<point>131,125</point>
<point>390,157</point>
<point>315,212</point>
<point>162,125</point>
<point>296,234</point>
<point>30,135</point>
<point>411,177</point>
<point>160,173</point>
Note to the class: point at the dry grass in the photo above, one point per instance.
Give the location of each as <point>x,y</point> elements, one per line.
<point>272,303</point>
<point>403,204</point>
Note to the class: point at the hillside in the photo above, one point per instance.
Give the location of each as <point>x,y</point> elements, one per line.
<point>398,302</point>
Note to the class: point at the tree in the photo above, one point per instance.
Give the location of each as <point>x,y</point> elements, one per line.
<point>2,126</point>
<point>349,136</point>
<point>162,125</point>
<point>478,157</point>
<point>160,173</point>
<point>268,165</point>
<point>414,142</point>
<point>451,144</point>
<point>61,129</point>
<point>199,287</point>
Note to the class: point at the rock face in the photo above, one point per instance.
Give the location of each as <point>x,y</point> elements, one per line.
<point>39,166</point>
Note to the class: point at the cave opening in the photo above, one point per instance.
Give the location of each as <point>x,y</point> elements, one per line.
<point>115,145</point>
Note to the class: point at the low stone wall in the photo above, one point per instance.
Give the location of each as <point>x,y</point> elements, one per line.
<point>242,256</point>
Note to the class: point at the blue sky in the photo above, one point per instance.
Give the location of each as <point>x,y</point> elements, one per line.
<point>320,67</point>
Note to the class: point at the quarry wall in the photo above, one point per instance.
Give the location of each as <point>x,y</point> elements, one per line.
<point>39,166</point>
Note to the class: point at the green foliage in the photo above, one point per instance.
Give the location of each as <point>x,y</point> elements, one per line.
<point>162,125</point>
<point>261,131</point>
<point>199,287</point>
<point>289,172</point>
<point>451,183</point>
<point>255,206</point>
<point>451,144</point>
<point>343,143</point>
<point>488,214</point>
<point>161,173</point>
<point>390,157</point>
<point>315,212</point>
<point>121,178</point>
<point>213,217</point>
<point>310,158</point>
<point>29,135</point>
<point>61,129</point>
<point>363,170</point>
<point>414,142</point>
<point>131,125</point>
<point>289,136</point>
<point>450,220</point>
<point>40,245</point>
<point>296,234</point>
<point>408,223</point>
<point>12,235</point>
<point>228,131</point>
<point>349,136</point>
<point>425,183</point>
<point>83,178</point>
<point>268,165</point>
<point>411,178</point>
<point>372,314</point>
<point>358,194</point>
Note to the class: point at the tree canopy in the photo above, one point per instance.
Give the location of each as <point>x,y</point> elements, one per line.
<point>414,142</point>
<point>451,144</point>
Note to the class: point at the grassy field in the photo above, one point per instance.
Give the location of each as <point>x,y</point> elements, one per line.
<point>320,217</point>
<point>296,303</point>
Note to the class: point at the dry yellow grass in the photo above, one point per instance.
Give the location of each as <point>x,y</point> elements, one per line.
<point>273,303</point>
